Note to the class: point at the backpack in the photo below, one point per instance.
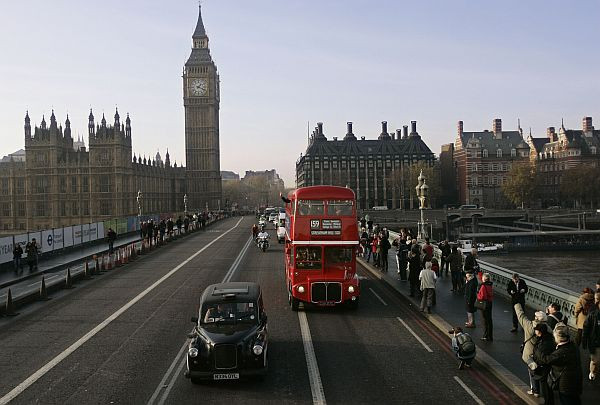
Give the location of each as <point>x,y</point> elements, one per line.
<point>465,344</point>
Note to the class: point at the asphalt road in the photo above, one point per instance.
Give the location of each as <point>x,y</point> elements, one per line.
<point>93,344</point>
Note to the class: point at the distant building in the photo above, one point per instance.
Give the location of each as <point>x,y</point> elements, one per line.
<point>483,159</point>
<point>449,192</point>
<point>18,156</point>
<point>229,176</point>
<point>364,165</point>
<point>558,152</point>
<point>271,176</point>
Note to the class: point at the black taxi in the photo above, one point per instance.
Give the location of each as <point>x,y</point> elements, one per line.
<point>230,338</point>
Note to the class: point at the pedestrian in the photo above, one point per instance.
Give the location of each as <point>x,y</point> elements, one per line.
<point>471,264</point>
<point>364,238</point>
<point>179,224</point>
<point>384,248</point>
<point>445,252</point>
<point>470,298</point>
<point>186,224</point>
<point>565,373</point>
<point>555,316</point>
<point>143,227</point>
<point>456,262</point>
<point>32,254</point>
<point>17,254</point>
<point>529,342</point>
<point>517,289</point>
<point>427,250</point>
<point>485,296</point>
<point>428,278</point>
<point>402,256</point>
<point>369,223</point>
<point>544,345</point>
<point>111,236</point>
<point>591,337</point>
<point>584,304</point>
<point>369,248</point>
<point>414,268</point>
<point>374,244</point>
<point>463,346</point>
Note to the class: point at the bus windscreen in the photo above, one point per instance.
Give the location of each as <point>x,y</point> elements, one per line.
<point>311,207</point>
<point>339,208</point>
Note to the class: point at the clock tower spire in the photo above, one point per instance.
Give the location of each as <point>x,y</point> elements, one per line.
<point>201,103</point>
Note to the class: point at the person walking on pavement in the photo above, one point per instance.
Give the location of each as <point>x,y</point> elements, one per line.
<point>584,304</point>
<point>32,254</point>
<point>565,366</point>
<point>384,248</point>
<point>402,256</point>
<point>445,264</point>
<point>517,289</point>
<point>111,236</point>
<point>486,295</point>
<point>529,342</point>
<point>544,345</point>
<point>428,278</point>
<point>414,268</point>
<point>555,316</point>
<point>456,261</point>
<point>590,338</point>
<point>470,298</point>
<point>17,254</point>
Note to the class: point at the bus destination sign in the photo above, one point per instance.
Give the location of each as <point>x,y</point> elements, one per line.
<point>325,227</point>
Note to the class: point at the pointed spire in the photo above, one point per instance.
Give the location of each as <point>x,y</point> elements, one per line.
<point>91,116</point>
<point>27,120</point>
<point>103,122</point>
<point>127,120</point>
<point>43,122</point>
<point>199,32</point>
<point>562,124</point>
<point>67,122</point>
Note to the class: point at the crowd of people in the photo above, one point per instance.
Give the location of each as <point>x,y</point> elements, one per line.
<point>157,232</point>
<point>549,351</point>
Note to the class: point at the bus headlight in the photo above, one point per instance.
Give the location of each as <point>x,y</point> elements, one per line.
<point>193,352</point>
<point>257,350</point>
<point>301,289</point>
<point>350,289</point>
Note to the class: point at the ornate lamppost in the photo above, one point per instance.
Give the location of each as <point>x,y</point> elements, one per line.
<point>185,201</point>
<point>422,190</point>
<point>139,203</point>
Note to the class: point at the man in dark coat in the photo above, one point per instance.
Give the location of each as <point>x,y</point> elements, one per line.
<point>544,345</point>
<point>384,247</point>
<point>414,267</point>
<point>565,366</point>
<point>111,236</point>
<point>445,249</point>
<point>591,337</point>
<point>470,298</point>
<point>555,316</point>
<point>456,261</point>
<point>517,289</point>
<point>17,253</point>
<point>402,255</point>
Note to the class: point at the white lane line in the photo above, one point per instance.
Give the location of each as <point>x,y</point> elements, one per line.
<point>471,393</point>
<point>415,335</point>
<point>311,362</point>
<point>169,386</point>
<point>378,297</point>
<point>161,385</point>
<point>67,352</point>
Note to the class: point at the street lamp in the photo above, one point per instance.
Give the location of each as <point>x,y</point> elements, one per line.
<point>422,191</point>
<point>185,201</point>
<point>139,203</point>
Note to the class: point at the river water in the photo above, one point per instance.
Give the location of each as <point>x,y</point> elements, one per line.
<point>571,270</point>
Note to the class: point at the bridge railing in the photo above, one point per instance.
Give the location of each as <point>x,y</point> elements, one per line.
<point>539,295</point>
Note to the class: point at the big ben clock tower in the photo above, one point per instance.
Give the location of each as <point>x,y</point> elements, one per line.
<point>201,103</point>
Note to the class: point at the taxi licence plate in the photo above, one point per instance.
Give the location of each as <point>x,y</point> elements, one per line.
<point>226,376</point>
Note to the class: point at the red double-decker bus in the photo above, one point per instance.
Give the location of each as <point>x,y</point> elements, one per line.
<point>320,246</point>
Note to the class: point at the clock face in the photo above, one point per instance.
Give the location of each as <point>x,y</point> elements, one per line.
<point>199,87</point>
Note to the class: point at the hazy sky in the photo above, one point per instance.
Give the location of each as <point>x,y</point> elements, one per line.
<point>284,63</point>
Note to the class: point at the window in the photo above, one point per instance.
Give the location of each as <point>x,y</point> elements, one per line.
<point>73,184</point>
<point>85,185</point>
<point>40,209</point>
<point>4,189</point>
<point>310,207</point>
<point>6,209</point>
<point>20,187</point>
<point>105,207</point>
<point>337,257</point>
<point>308,258</point>
<point>62,185</point>
<point>41,185</point>
<point>513,152</point>
<point>339,208</point>
<point>485,153</point>
<point>499,153</point>
<point>104,184</point>
<point>74,208</point>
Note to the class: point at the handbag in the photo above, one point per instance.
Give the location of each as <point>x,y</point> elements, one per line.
<point>481,304</point>
<point>522,347</point>
<point>554,381</point>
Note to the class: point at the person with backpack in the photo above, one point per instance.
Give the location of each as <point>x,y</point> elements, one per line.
<point>555,316</point>
<point>591,337</point>
<point>584,304</point>
<point>463,346</point>
<point>527,348</point>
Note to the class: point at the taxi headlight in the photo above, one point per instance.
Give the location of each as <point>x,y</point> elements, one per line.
<point>300,289</point>
<point>257,350</point>
<point>193,352</point>
<point>350,289</point>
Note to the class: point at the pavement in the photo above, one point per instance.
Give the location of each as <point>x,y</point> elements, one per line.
<point>501,356</point>
<point>120,338</point>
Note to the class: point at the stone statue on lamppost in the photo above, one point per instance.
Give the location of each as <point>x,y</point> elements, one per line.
<point>422,190</point>
<point>139,204</point>
<point>185,201</point>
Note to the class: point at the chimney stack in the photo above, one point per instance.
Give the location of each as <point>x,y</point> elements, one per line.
<point>384,128</point>
<point>320,127</point>
<point>460,128</point>
<point>551,134</point>
<point>349,126</point>
<point>398,134</point>
<point>497,128</point>
<point>405,132</point>
<point>413,128</point>
<point>587,124</point>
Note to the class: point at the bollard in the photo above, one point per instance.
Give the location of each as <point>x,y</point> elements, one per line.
<point>68,280</point>
<point>109,263</point>
<point>118,258</point>
<point>43,292</point>
<point>10,308</point>
<point>126,255</point>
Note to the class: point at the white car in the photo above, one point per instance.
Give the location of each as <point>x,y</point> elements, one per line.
<point>273,217</point>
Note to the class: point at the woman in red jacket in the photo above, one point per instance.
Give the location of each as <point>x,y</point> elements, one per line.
<point>486,295</point>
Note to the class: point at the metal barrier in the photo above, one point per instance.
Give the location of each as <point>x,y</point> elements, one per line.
<point>539,295</point>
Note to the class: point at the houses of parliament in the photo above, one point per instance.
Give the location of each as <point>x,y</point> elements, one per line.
<point>56,181</point>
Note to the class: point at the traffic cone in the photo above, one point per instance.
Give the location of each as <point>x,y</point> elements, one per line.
<point>133,250</point>
<point>143,247</point>
<point>118,258</point>
<point>68,280</point>
<point>10,309</point>
<point>43,291</point>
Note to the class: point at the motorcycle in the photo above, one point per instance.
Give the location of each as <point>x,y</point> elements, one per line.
<point>263,243</point>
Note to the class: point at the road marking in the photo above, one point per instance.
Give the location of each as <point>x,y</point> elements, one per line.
<point>69,350</point>
<point>182,353</point>
<point>415,335</point>
<point>311,362</point>
<point>378,297</point>
<point>471,393</point>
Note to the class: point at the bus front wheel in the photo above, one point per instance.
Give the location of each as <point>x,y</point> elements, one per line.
<point>352,304</point>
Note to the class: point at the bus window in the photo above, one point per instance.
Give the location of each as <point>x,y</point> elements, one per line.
<point>310,207</point>
<point>308,258</point>
<point>335,256</point>
<point>339,208</point>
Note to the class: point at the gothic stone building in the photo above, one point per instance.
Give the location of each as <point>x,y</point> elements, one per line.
<point>57,184</point>
<point>561,151</point>
<point>482,161</point>
<point>364,165</point>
